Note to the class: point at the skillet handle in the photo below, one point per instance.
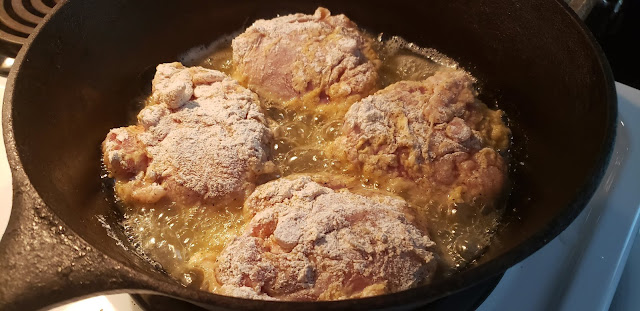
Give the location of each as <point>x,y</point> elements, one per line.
<point>43,264</point>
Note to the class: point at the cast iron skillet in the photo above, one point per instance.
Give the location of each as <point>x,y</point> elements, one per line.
<point>78,76</point>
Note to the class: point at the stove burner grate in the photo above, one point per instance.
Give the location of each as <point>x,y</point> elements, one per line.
<point>18,18</point>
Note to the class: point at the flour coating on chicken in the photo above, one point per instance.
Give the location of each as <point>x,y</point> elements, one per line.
<point>432,132</point>
<point>203,138</point>
<point>308,60</point>
<point>309,242</point>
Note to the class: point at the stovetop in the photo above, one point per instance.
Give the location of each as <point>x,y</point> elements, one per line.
<point>579,270</point>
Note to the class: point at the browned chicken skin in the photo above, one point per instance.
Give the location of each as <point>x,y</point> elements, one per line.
<point>306,60</point>
<point>309,242</point>
<point>203,140</point>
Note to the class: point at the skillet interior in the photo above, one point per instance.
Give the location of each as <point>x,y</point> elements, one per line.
<point>80,75</point>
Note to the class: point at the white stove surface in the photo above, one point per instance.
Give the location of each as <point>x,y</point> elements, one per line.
<point>5,173</point>
<point>579,270</point>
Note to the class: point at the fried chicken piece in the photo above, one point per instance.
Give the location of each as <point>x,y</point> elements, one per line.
<point>124,154</point>
<point>434,132</point>
<point>309,242</point>
<point>203,139</point>
<point>312,60</point>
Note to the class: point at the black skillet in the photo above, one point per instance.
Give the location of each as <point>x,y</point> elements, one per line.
<point>78,75</point>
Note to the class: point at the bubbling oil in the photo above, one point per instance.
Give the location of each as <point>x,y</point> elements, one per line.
<point>170,234</point>
<point>173,234</point>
